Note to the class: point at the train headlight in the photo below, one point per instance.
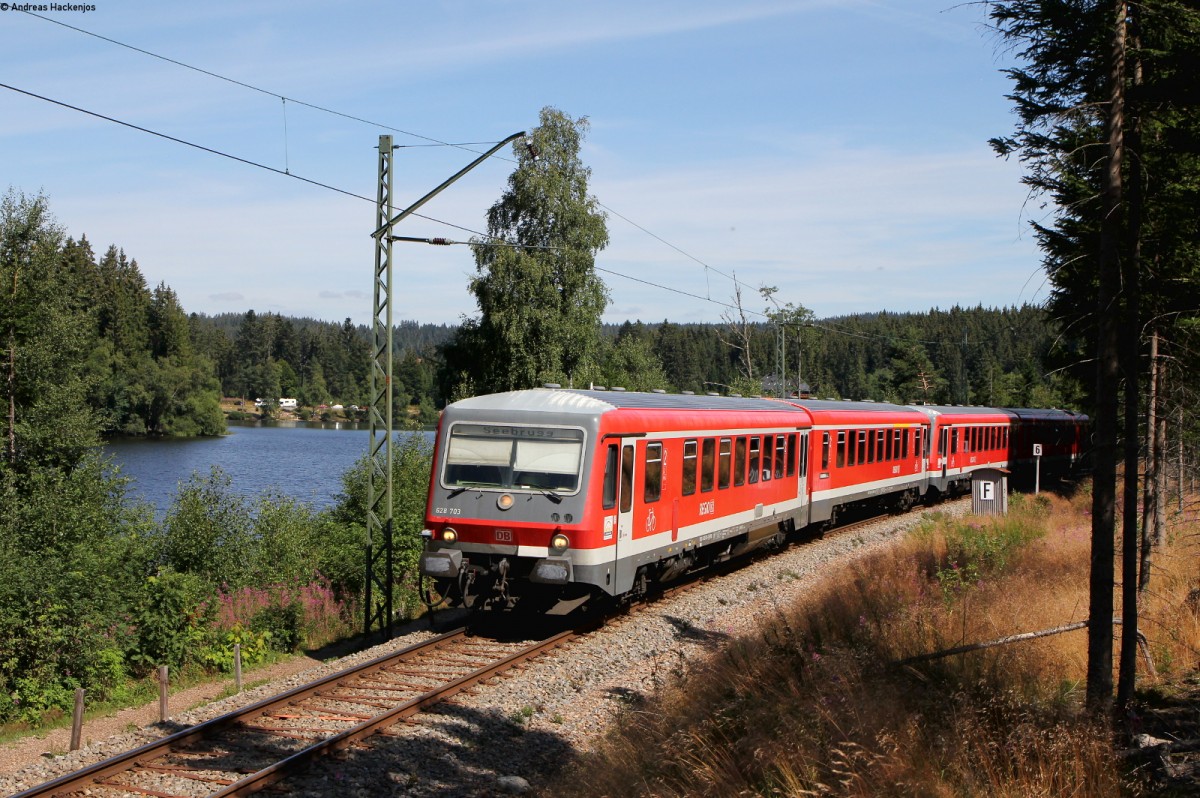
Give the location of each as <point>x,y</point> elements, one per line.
<point>505,501</point>
<point>559,543</point>
<point>449,534</point>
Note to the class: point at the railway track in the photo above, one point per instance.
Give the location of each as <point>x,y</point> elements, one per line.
<point>246,750</point>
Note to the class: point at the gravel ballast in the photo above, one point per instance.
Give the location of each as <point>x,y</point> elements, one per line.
<point>510,733</point>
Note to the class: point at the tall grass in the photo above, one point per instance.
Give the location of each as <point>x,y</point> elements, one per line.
<point>296,614</point>
<point>816,704</point>
<point>1170,606</point>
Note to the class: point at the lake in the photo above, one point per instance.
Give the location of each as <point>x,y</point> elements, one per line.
<point>301,459</point>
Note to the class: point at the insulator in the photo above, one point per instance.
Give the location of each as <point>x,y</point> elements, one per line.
<point>441,242</point>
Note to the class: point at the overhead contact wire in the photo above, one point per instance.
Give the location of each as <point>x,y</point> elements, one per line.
<point>230,156</point>
<point>434,142</point>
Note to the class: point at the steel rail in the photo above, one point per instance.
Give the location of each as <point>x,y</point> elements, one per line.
<point>85,777</point>
<point>337,742</point>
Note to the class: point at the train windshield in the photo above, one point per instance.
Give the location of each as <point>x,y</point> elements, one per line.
<point>512,457</point>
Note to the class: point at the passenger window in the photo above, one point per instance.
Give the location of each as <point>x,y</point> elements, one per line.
<point>862,446</point>
<point>689,468</point>
<point>791,455</point>
<point>739,462</point>
<point>653,479</point>
<point>610,478</point>
<point>724,464</point>
<point>781,455</point>
<point>841,453</point>
<point>708,464</point>
<point>766,458</point>
<point>825,451</point>
<point>755,459</point>
<point>804,454</point>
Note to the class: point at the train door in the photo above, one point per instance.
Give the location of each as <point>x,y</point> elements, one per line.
<point>625,497</point>
<point>944,450</point>
<point>802,480</point>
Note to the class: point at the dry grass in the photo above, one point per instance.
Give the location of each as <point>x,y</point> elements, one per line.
<point>813,705</point>
<point>1170,607</point>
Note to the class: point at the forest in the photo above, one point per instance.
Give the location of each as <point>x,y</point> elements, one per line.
<point>983,356</point>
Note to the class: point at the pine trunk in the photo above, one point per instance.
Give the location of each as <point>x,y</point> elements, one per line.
<point>1108,375</point>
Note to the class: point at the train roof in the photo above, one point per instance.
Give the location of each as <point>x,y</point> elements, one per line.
<point>1019,413</point>
<point>958,410</point>
<point>1048,414</point>
<point>834,405</point>
<point>593,402</point>
<point>571,400</point>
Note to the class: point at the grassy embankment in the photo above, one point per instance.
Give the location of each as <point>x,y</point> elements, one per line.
<point>814,704</point>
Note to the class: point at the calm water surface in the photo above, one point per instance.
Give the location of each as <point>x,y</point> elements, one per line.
<point>303,460</point>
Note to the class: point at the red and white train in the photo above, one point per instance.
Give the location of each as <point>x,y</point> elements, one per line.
<point>547,498</point>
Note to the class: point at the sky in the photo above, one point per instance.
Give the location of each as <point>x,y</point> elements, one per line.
<point>834,149</point>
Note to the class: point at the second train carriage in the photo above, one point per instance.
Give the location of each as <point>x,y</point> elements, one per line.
<point>548,497</point>
<point>862,451</point>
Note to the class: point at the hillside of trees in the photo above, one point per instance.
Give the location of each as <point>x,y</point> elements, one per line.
<point>986,356</point>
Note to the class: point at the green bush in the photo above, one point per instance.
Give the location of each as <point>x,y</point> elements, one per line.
<point>172,619</point>
<point>976,549</point>
<point>282,624</point>
<point>207,530</point>
<point>217,654</point>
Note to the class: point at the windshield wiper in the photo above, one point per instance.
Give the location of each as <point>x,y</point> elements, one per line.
<point>547,492</point>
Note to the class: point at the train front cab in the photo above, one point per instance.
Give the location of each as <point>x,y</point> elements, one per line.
<point>506,516</point>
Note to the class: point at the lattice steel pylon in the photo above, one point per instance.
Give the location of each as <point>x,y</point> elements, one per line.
<point>378,608</point>
<point>379,488</point>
